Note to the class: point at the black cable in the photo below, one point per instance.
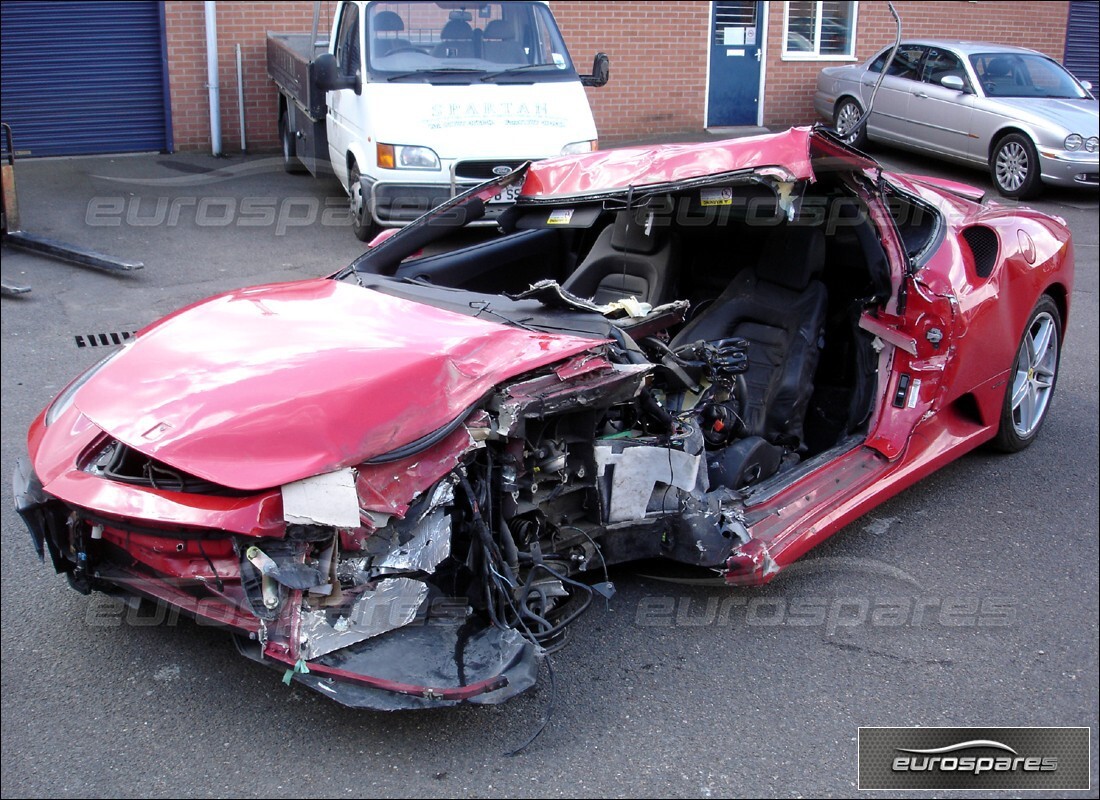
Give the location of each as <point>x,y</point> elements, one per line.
<point>599,552</point>
<point>217,578</point>
<point>546,714</point>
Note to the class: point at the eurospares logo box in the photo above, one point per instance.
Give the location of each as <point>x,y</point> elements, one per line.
<point>974,759</point>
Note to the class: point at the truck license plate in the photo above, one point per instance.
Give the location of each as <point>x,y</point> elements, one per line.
<point>506,195</point>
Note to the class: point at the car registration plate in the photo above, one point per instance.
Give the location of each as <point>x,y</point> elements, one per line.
<point>507,194</point>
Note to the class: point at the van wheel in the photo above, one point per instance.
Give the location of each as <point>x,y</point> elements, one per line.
<point>291,163</point>
<point>361,220</point>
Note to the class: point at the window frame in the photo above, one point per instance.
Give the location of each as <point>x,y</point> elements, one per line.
<point>815,54</point>
<point>340,48</point>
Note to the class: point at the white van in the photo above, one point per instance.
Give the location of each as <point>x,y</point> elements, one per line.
<point>417,101</point>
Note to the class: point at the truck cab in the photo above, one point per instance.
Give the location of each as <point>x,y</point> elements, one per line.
<point>422,100</point>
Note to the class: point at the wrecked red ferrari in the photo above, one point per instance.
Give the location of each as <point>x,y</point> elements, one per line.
<point>401,483</point>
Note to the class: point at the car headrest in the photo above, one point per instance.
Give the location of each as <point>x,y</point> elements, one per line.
<point>499,29</point>
<point>629,234</point>
<point>388,22</point>
<point>999,67</point>
<point>792,257</point>
<point>456,29</point>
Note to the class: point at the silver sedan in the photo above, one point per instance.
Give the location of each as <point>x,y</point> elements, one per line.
<point>1015,111</point>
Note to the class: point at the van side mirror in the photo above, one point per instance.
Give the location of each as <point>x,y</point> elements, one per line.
<point>953,82</point>
<point>601,68</point>
<point>328,78</point>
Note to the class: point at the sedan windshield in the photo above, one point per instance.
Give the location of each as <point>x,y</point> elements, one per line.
<point>1024,75</point>
<point>465,42</point>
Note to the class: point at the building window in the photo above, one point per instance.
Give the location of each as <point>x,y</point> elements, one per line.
<point>819,31</point>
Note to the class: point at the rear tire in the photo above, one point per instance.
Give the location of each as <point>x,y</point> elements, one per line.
<point>1032,380</point>
<point>847,114</point>
<point>291,163</point>
<point>362,223</point>
<point>1014,167</point>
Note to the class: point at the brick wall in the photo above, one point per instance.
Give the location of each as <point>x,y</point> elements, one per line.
<point>244,23</point>
<point>658,54</point>
<point>790,84</point>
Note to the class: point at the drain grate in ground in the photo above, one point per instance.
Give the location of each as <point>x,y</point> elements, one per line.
<point>103,339</point>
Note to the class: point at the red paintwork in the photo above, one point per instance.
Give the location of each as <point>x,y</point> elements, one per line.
<point>259,387</point>
<point>963,190</point>
<point>615,170</point>
<point>279,383</point>
<point>983,321</point>
<point>389,488</point>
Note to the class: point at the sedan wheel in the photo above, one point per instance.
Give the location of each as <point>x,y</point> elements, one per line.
<point>1015,167</point>
<point>847,116</point>
<point>1033,377</point>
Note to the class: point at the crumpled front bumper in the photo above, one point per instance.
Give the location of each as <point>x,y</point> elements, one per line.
<point>439,660</point>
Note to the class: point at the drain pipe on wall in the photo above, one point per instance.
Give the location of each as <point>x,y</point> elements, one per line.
<point>212,76</point>
<point>240,97</point>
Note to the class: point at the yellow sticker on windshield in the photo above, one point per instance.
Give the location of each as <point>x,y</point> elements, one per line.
<point>722,196</point>
<point>560,216</point>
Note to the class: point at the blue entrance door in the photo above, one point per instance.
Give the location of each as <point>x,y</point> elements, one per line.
<point>736,47</point>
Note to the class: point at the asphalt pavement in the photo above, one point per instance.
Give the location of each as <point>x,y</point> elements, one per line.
<point>968,600</point>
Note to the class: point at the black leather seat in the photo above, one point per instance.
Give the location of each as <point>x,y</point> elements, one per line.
<point>779,306</point>
<point>629,259</point>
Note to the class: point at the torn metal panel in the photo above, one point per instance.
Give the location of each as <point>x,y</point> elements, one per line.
<point>582,364</point>
<point>328,499</point>
<point>432,540</point>
<point>637,471</point>
<point>391,604</point>
<point>548,394</point>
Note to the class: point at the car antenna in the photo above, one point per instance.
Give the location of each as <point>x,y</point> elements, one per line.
<point>882,74</point>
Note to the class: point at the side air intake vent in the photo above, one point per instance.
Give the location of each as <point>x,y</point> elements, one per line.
<point>983,246</point>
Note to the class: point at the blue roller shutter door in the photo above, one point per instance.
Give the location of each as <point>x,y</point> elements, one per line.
<point>84,77</point>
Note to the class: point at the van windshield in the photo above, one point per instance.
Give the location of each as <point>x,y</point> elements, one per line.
<point>465,42</point>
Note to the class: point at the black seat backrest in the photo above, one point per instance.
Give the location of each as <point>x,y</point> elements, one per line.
<point>629,259</point>
<point>779,306</point>
<point>457,40</point>
<point>499,44</point>
<point>388,23</point>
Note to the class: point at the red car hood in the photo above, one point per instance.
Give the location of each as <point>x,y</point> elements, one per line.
<point>264,386</point>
